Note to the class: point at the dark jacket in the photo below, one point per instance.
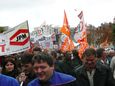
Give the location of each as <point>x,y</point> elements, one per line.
<point>68,67</point>
<point>14,73</point>
<point>102,77</point>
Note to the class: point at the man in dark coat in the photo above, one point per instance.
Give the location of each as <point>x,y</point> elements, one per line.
<point>93,73</point>
<point>27,73</point>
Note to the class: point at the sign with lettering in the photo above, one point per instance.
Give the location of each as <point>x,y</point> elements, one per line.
<point>15,40</point>
<point>21,37</point>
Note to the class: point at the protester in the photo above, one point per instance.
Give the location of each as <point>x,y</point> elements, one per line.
<point>36,50</point>
<point>110,55</point>
<point>93,73</point>
<point>8,81</point>
<point>0,69</point>
<point>70,63</point>
<point>58,64</point>
<point>43,66</point>
<point>27,73</point>
<point>112,66</point>
<point>101,55</point>
<point>9,67</point>
<point>76,59</point>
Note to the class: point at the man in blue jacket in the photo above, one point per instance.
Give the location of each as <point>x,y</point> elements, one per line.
<point>8,81</point>
<point>43,66</point>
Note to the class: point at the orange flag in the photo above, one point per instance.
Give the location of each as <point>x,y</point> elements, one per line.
<point>65,28</point>
<point>68,44</point>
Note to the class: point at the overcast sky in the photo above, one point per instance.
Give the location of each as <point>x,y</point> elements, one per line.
<point>14,12</point>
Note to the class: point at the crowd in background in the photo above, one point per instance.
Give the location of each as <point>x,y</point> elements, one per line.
<point>95,64</point>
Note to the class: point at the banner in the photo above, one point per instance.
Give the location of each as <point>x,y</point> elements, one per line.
<point>42,31</point>
<point>36,34</point>
<point>47,30</point>
<point>46,43</point>
<point>15,40</point>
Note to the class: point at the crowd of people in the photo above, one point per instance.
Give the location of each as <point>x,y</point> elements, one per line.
<point>40,67</point>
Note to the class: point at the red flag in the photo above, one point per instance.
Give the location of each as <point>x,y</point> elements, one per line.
<point>65,28</point>
<point>67,44</point>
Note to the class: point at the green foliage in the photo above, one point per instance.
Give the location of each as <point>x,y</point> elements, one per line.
<point>113,32</point>
<point>2,29</point>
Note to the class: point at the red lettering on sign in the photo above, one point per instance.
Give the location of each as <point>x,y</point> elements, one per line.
<point>16,34</point>
<point>3,47</point>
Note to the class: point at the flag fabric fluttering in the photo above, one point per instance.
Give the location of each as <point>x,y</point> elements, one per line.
<point>67,44</point>
<point>81,35</point>
<point>80,15</point>
<point>65,28</point>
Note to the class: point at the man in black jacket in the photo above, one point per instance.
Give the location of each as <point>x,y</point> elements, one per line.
<point>92,73</point>
<point>27,74</point>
